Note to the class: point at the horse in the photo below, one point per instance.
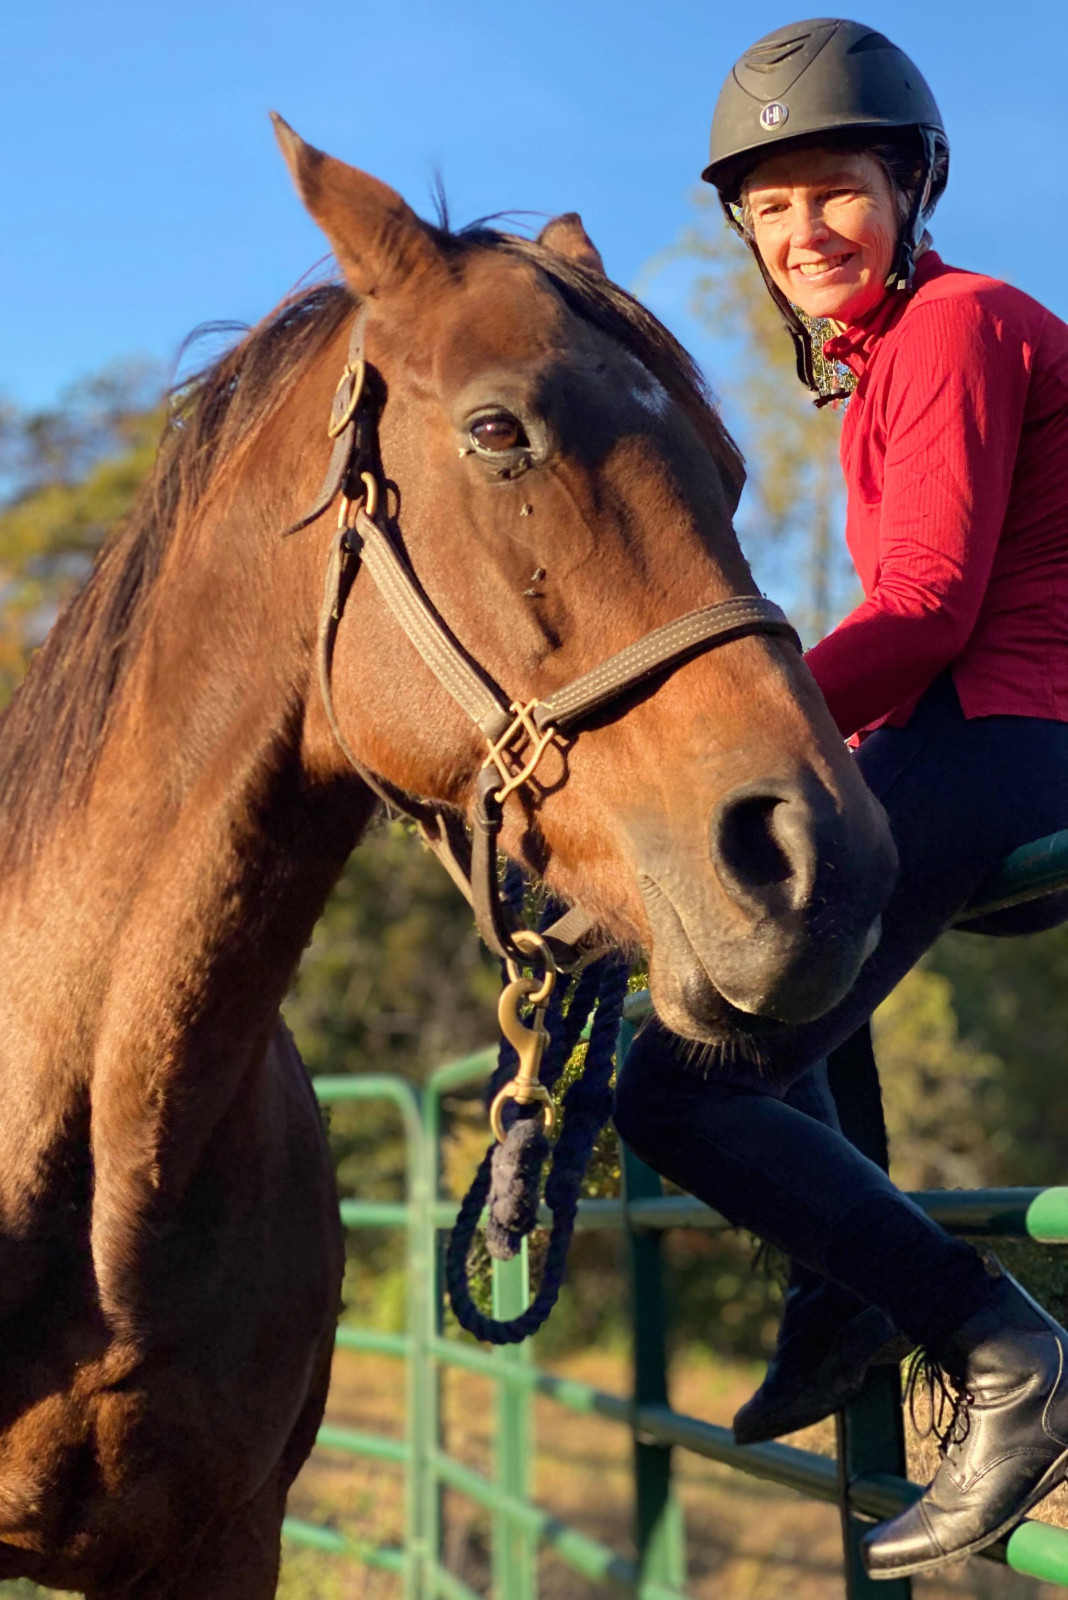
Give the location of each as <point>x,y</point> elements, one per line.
<point>176,808</point>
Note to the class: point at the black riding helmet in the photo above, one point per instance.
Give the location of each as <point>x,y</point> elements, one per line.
<point>827,82</point>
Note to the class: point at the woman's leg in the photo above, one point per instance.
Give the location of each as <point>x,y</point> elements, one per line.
<point>803,1186</point>
<point>828,1337</point>
<point>959,796</point>
<point>800,1185</point>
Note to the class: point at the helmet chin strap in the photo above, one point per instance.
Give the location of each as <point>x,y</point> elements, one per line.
<point>903,265</point>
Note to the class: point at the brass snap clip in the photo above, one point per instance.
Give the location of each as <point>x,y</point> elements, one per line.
<point>528,1042</point>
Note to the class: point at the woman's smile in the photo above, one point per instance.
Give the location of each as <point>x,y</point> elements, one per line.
<point>818,269</point>
<point>825,223</point>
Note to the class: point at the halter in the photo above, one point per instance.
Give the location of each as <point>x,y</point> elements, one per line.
<point>516,733</point>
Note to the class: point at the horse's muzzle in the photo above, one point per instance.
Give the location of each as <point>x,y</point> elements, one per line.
<point>777,921</point>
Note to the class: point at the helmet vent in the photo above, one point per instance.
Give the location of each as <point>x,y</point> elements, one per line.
<point>870,41</point>
<point>766,57</point>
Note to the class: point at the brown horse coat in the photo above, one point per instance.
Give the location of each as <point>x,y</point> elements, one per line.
<point>176,811</point>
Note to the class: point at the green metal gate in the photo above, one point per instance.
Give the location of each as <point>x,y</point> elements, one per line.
<point>867,1480</point>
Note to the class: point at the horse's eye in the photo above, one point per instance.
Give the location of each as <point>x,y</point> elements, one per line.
<point>501,431</point>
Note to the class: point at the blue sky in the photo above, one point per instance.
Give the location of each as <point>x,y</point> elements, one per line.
<point>143,192</point>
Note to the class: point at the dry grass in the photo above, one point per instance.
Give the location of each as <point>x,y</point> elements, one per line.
<point>746,1540</point>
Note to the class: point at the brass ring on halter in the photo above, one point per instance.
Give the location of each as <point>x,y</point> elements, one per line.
<point>338,425</point>
<point>524,1094</point>
<point>533,944</point>
<point>370,483</point>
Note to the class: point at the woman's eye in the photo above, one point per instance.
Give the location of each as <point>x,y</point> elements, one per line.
<point>501,431</point>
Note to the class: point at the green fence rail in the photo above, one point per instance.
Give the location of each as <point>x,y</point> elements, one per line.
<point>867,1481</point>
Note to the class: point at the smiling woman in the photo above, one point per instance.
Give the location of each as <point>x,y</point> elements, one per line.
<point>951,679</point>
<point>825,225</point>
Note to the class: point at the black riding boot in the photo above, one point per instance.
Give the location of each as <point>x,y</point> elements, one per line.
<point>827,1341</point>
<point>1007,1445</point>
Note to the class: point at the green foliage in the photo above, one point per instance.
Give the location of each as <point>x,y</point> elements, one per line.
<point>725,1293</point>
<point>312,1575</point>
<point>70,475</point>
<point>395,978</point>
<point>945,1098</point>
<point>1042,1269</point>
<point>1011,999</point>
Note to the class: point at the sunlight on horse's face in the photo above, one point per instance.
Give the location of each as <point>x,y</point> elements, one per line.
<point>558,502</point>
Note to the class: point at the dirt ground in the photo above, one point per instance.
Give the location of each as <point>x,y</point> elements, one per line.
<point>746,1540</point>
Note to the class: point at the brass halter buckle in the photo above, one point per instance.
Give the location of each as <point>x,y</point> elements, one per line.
<point>521,730</point>
<point>528,1042</point>
<point>356,372</point>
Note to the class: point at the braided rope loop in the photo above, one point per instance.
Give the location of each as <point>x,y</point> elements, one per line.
<point>509,1174</point>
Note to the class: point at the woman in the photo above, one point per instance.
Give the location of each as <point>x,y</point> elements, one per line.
<point>829,155</point>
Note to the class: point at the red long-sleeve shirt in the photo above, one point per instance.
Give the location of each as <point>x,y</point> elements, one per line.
<point>955,453</point>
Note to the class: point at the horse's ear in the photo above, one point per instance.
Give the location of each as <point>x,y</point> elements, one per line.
<point>379,241</point>
<point>567,236</point>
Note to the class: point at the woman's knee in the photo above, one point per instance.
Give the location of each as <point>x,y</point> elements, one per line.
<point>627,1114</point>
<point>662,1105</point>
<point>644,1104</point>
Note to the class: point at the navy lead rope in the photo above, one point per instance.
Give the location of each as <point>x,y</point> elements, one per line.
<point>509,1176</point>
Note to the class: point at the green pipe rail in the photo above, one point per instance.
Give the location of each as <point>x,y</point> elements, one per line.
<point>867,1481</point>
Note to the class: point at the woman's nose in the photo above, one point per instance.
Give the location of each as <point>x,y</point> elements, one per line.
<point>809,227</point>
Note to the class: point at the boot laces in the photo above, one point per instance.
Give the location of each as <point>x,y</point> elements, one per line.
<point>948,1402</point>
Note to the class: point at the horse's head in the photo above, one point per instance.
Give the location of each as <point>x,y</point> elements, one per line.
<point>561,486</point>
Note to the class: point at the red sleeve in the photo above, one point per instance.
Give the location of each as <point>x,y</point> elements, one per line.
<point>954,410</point>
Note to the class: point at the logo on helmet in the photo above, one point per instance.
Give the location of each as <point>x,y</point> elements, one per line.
<point>773,115</point>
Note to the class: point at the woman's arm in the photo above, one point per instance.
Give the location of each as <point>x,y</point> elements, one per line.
<point>954,412</point>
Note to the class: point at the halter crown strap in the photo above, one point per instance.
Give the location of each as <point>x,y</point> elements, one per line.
<point>342,426</point>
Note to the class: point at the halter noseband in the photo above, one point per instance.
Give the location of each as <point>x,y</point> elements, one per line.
<point>516,733</point>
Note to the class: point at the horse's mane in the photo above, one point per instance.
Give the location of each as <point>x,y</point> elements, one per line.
<point>52,732</point>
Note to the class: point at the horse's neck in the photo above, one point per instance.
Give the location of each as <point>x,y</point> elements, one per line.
<point>204,849</point>
<point>151,941</point>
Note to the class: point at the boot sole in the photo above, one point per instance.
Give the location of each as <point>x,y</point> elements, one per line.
<point>1054,1475</point>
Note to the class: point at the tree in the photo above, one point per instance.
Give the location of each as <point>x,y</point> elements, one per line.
<point>1011,1000</point>
<point>70,474</point>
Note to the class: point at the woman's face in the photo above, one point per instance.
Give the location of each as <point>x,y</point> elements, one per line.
<point>826,225</point>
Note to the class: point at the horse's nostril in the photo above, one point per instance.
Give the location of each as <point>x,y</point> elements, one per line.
<point>749,850</point>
